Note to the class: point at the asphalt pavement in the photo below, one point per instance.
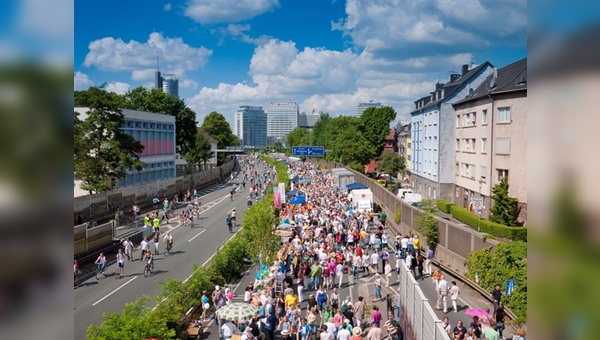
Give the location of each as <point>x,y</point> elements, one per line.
<point>192,245</point>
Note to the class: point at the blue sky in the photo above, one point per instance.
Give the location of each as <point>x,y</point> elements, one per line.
<point>326,55</point>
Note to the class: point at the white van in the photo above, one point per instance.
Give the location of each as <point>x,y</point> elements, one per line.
<point>411,198</point>
<point>402,192</point>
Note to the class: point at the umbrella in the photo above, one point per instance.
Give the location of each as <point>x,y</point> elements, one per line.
<point>284,226</point>
<point>237,311</point>
<point>298,200</point>
<point>304,181</point>
<point>295,179</point>
<point>476,312</point>
<point>292,193</point>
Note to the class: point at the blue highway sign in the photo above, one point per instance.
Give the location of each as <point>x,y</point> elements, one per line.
<point>311,151</point>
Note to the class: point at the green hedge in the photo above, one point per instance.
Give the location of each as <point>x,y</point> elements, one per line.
<point>496,229</point>
<point>444,205</point>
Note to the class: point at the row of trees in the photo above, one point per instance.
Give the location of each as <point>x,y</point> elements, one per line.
<point>103,153</point>
<point>353,140</point>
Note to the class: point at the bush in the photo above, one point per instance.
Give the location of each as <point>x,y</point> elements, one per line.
<point>508,261</point>
<point>427,222</point>
<point>444,205</point>
<point>498,230</point>
<point>397,214</point>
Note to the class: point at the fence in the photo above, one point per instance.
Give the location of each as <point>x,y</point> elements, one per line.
<point>455,241</point>
<point>417,318</point>
<point>89,238</point>
<point>105,204</point>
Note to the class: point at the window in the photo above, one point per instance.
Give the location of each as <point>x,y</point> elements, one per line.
<point>457,144</point>
<point>504,115</point>
<point>456,169</point>
<point>483,145</point>
<point>501,174</point>
<point>484,117</point>
<point>456,191</point>
<point>502,146</point>
<point>483,173</point>
<point>457,121</point>
<point>434,193</point>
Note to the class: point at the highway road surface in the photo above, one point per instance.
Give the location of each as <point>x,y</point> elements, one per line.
<point>192,245</point>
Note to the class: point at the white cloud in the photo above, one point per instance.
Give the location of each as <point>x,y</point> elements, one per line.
<point>411,29</point>
<point>110,54</point>
<point>81,81</point>
<point>118,87</point>
<point>238,31</point>
<point>227,11</point>
<point>167,7</point>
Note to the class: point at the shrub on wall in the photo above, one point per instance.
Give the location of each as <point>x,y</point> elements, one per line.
<point>397,214</point>
<point>483,225</point>
<point>444,205</point>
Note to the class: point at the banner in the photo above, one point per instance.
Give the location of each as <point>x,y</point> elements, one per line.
<point>276,198</point>
<point>282,192</point>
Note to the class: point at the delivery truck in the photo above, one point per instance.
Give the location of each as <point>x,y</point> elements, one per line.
<point>362,199</point>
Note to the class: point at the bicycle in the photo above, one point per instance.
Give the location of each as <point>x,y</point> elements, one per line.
<point>148,268</point>
<point>101,270</point>
<point>168,249</point>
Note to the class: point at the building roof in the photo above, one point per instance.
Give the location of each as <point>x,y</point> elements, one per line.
<point>391,134</point>
<point>451,87</point>
<point>208,137</point>
<point>510,78</point>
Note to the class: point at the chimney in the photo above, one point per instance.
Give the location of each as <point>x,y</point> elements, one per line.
<point>438,86</point>
<point>465,69</point>
<point>454,76</point>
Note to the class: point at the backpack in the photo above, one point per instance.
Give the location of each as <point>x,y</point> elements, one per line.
<point>344,307</point>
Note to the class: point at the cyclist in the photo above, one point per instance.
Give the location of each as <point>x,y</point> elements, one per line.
<point>233,216</point>
<point>149,259</point>
<point>101,262</point>
<point>231,194</point>
<point>168,240</point>
<point>121,263</point>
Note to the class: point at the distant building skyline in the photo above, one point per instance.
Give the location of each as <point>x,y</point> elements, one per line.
<point>250,125</point>
<point>282,117</point>
<point>361,107</point>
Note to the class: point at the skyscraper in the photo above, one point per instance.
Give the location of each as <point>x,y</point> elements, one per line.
<point>308,120</point>
<point>250,126</point>
<point>282,117</point>
<point>170,85</point>
<point>361,107</point>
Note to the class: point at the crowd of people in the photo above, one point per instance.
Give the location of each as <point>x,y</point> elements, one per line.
<point>327,238</point>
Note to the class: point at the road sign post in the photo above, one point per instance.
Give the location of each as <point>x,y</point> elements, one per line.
<point>510,286</point>
<point>308,151</point>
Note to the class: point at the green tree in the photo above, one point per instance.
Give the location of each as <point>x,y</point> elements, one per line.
<point>375,124</point>
<point>102,151</point>
<point>317,136</point>
<point>135,322</point>
<point>155,100</point>
<point>201,151</point>
<point>351,147</point>
<point>391,163</point>
<point>428,224</point>
<point>297,137</point>
<point>507,261</point>
<point>217,126</point>
<point>505,209</point>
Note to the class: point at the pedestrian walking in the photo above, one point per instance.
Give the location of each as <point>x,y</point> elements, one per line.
<point>442,292</point>
<point>144,245</point>
<point>454,292</point>
<point>120,263</point>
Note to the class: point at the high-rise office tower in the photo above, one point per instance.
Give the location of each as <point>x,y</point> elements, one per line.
<point>361,107</point>
<point>250,126</point>
<point>308,120</point>
<point>282,117</point>
<point>170,85</point>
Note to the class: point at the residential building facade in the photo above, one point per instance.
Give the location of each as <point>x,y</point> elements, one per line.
<point>390,141</point>
<point>432,133</point>
<point>491,139</point>
<point>156,132</point>
<point>250,125</point>
<point>361,107</point>
<point>282,117</point>
<point>404,142</point>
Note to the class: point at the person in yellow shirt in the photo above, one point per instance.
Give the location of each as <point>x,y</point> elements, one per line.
<point>291,301</point>
<point>416,244</point>
<point>156,223</point>
<point>363,235</point>
<point>147,221</point>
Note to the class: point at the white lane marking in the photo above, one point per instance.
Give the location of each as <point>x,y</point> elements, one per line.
<point>200,233</point>
<point>210,258</point>
<point>114,291</point>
